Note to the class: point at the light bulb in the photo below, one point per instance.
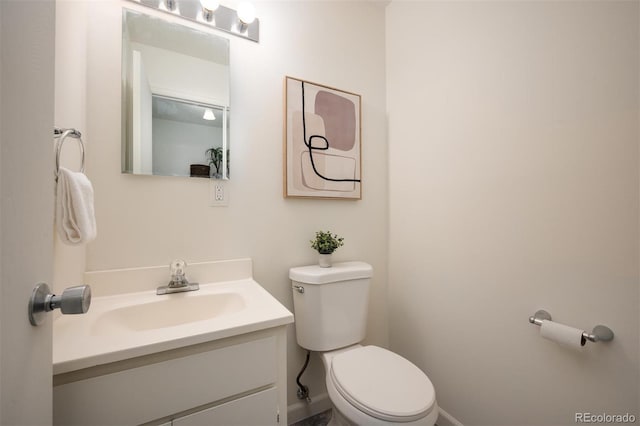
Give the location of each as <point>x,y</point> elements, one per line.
<point>246,12</point>
<point>210,5</point>
<point>208,114</point>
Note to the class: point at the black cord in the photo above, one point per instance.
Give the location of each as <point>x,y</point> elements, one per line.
<point>303,391</point>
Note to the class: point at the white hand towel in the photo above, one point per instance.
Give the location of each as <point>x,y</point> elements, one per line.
<point>75,215</point>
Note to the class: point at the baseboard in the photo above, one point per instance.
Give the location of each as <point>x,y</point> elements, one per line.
<point>446,419</point>
<point>302,409</point>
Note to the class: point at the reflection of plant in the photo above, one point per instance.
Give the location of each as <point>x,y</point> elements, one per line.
<point>326,243</point>
<point>214,156</point>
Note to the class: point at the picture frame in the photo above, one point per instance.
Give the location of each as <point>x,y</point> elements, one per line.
<point>322,141</point>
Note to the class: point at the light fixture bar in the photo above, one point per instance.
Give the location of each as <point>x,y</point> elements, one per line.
<point>223,18</point>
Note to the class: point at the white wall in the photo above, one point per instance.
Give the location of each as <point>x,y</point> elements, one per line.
<point>184,76</point>
<point>70,112</point>
<point>146,220</point>
<point>177,145</point>
<point>513,141</point>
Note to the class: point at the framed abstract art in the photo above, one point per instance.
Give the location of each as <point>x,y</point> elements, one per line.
<point>322,143</point>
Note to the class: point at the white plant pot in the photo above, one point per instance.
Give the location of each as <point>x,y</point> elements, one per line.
<point>324,260</point>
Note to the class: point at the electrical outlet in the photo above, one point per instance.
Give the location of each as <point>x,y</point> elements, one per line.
<point>219,194</point>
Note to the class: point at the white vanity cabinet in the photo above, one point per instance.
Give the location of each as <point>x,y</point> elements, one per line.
<point>238,380</point>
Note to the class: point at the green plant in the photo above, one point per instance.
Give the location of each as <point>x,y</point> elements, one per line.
<point>326,242</point>
<point>214,156</point>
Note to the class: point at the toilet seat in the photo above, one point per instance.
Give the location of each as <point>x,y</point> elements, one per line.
<point>382,384</point>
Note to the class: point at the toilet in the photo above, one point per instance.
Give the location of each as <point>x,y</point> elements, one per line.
<point>367,385</point>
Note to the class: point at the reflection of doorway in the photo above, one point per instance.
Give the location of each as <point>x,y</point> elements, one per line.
<point>170,134</point>
<point>183,131</point>
<point>141,154</point>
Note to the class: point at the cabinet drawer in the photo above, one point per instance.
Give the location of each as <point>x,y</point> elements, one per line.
<point>259,409</point>
<point>142,394</point>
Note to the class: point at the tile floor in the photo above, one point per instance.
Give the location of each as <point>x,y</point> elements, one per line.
<point>320,419</point>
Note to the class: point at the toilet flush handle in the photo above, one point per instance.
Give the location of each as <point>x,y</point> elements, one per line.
<point>298,288</point>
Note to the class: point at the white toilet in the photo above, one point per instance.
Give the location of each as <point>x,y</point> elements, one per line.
<point>367,385</point>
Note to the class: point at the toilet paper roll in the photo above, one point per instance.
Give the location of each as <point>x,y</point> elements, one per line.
<point>562,334</point>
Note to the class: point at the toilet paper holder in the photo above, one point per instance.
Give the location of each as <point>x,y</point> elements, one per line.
<point>600,333</point>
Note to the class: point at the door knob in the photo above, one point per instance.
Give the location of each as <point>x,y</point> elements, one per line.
<point>74,300</point>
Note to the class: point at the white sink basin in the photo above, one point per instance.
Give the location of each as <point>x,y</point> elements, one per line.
<point>168,311</point>
<point>128,325</point>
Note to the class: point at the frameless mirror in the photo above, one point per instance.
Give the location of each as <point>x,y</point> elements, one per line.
<point>175,100</point>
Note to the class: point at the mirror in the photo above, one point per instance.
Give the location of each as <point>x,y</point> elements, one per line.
<point>175,100</point>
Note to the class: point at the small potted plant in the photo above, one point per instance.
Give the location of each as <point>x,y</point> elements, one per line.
<point>214,156</point>
<point>326,243</point>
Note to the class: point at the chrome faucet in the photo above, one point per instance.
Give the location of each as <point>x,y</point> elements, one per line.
<point>179,282</point>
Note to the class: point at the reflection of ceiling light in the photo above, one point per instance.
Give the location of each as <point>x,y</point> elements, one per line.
<point>208,114</point>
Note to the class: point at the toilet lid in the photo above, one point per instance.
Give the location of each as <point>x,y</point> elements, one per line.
<point>383,384</point>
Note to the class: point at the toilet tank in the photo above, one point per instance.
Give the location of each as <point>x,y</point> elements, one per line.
<point>331,304</point>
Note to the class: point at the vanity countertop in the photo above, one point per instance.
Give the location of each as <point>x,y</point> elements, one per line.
<point>128,325</point>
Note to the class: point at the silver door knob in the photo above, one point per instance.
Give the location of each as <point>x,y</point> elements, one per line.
<point>74,300</point>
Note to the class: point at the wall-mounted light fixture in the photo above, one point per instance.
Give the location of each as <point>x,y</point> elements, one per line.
<point>208,9</point>
<point>242,23</point>
<point>246,15</point>
<point>168,5</point>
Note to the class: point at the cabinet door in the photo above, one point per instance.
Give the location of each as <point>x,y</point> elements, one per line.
<point>258,409</point>
<point>167,387</point>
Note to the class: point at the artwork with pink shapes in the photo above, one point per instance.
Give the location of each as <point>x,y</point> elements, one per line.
<point>322,142</point>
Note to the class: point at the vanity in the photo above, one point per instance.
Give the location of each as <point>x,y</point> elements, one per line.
<point>215,356</point>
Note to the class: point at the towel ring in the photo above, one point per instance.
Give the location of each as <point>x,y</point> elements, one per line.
<point>61,135</point>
